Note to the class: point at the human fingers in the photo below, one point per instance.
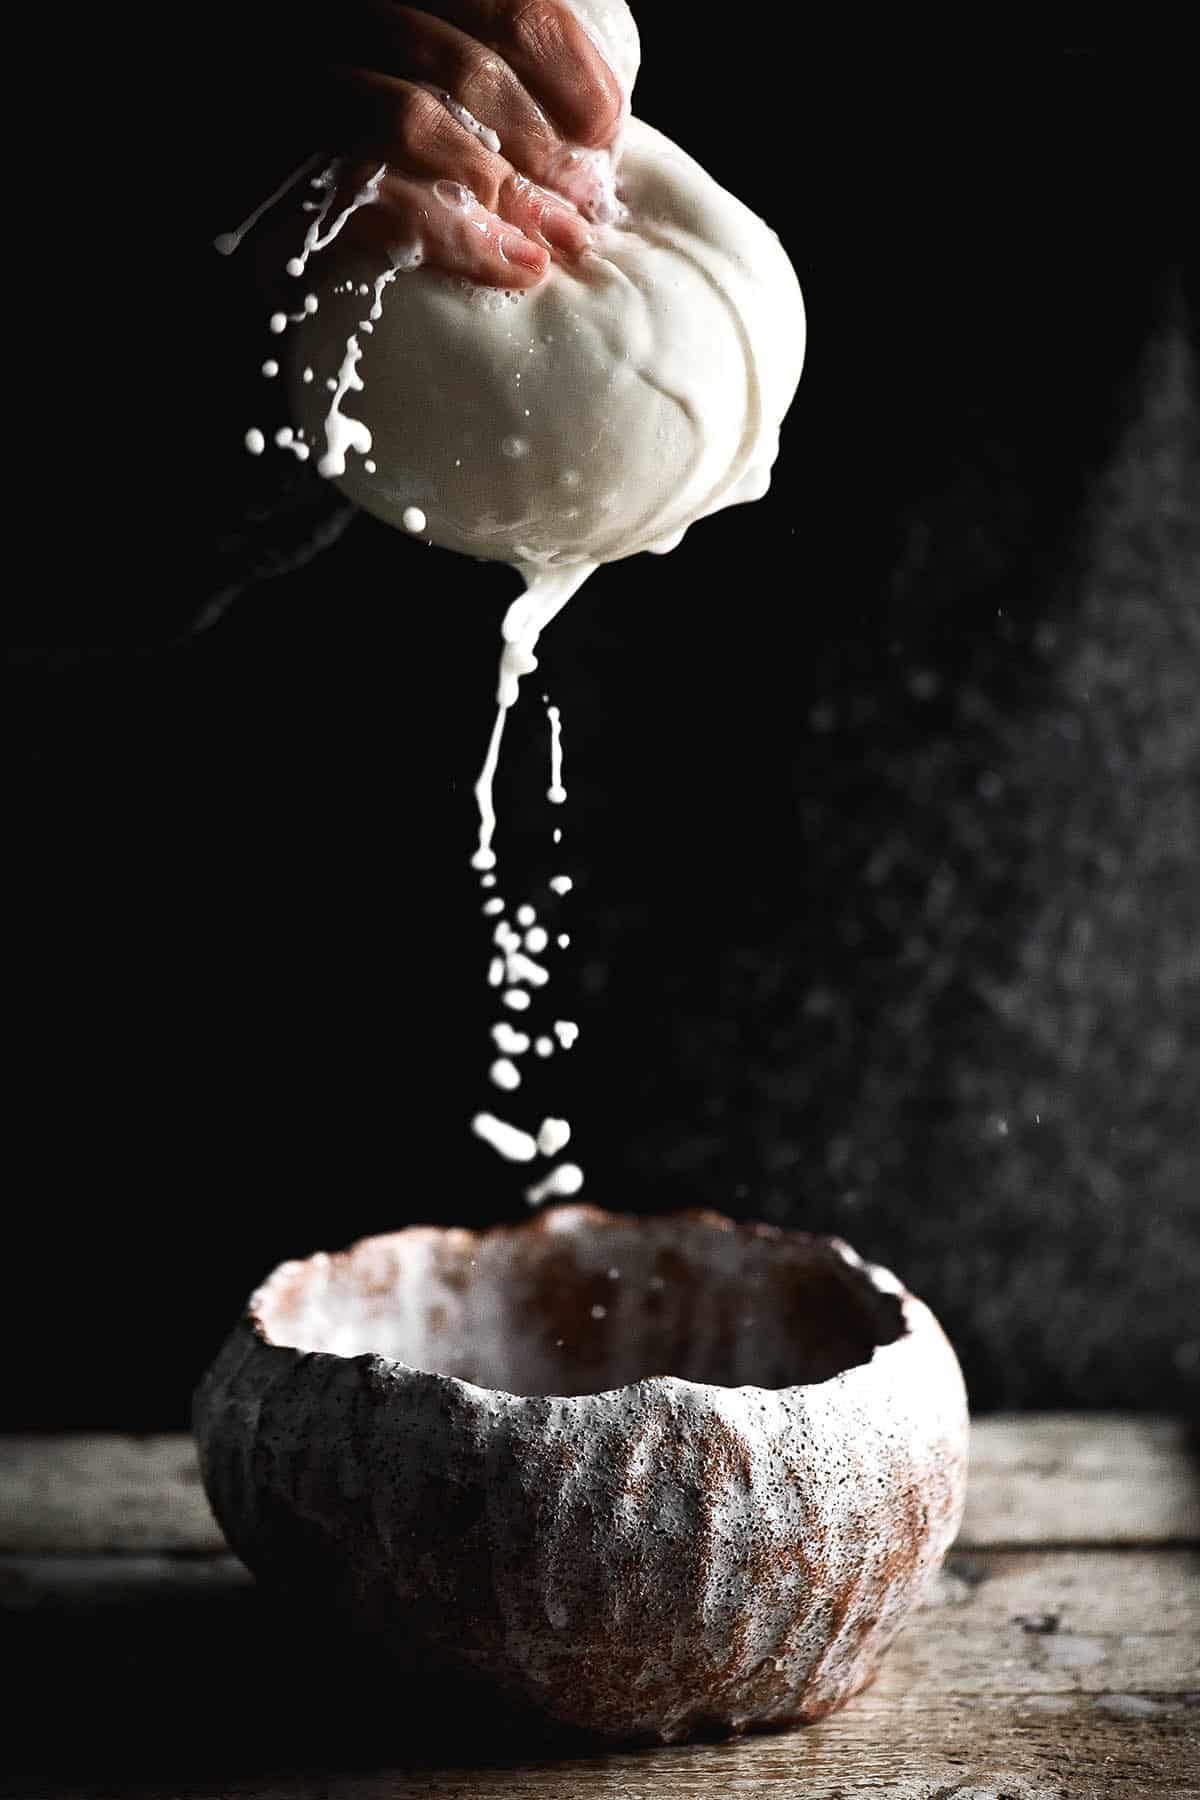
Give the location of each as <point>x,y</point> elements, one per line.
<point>414,133</point>
<point>545,45</point>
<point>440,222</point>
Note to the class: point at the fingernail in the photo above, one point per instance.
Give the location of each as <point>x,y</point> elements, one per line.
<point>525,254</point>
<point>565,230</point>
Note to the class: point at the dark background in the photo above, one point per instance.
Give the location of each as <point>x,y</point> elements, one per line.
<point>884,812</point>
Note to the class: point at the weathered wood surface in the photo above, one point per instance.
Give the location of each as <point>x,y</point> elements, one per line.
<point>1066,1671</point>
<point>1080,1479</point>
<point>1078,1751</point>
<point>1064,1479</point>
<point>1054,1622</point>
<point>103,1493</point>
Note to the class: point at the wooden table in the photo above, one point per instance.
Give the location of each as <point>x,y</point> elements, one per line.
<point>1058,1655</point>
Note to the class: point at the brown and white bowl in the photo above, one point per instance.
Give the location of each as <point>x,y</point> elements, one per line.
<point>646,1476</point>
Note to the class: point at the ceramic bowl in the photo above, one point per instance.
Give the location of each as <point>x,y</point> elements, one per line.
<point>646,1476</point>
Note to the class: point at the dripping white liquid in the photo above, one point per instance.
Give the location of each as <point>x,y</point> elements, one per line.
<point>546,593</point>
<point>228,241</point>
<point>562,1182</point>
<point>343,433</point>
<point>556,793</point>
<point>506,1140</point>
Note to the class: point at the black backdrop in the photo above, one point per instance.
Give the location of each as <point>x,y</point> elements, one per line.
<point>883,812</point>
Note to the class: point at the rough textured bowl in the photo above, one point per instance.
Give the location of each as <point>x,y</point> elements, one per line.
<point>647,1476</point>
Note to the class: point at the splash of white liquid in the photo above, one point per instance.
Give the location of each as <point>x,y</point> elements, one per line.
<point>256,443</point>
<point>555,1135</point>
<point>712,242</point>
<point>507,1140</point>
<point>279,321</point>
<point>414,519</point>
<point>567,1179</point>
<point>227,241</point>
<point>403,262</point>
<point>522,968</point>
<point>547,592</point>
<point>343,433</point>
<point>484,133</point>
<point>508,1041</point>
<point>313,240</point>
<point>505,1074</point>
<point>556,793</point>
<point>287,439</point>
<point>381,281</point>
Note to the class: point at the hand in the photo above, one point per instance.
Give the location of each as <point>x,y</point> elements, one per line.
<point>526,71</point>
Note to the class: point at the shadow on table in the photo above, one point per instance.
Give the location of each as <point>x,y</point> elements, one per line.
<point>177,1673</point>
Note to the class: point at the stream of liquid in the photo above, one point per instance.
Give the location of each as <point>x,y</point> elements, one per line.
<point>513,967</point>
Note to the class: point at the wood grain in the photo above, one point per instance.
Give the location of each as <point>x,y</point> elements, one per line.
<point>1027,1673</point>
<point>103,1492</point>
<point>995,1622</point>
<point>1082,1479</point>
<point>1059,1662</point>
<point>1077,1753</point>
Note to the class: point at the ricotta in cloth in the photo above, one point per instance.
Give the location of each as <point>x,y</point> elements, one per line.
<point>600,413</point>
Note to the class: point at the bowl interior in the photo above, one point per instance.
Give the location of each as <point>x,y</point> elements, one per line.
<point>579,1301</point>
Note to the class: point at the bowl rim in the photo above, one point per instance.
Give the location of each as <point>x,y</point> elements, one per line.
<point>916,1323</point>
